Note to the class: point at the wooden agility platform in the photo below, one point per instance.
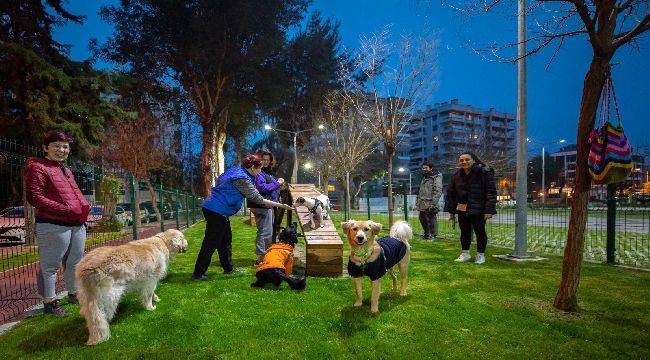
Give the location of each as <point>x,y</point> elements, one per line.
<point>324,245</point>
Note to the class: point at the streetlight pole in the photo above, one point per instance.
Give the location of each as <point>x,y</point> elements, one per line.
<point>544,163</point>
<point>521,216</point>
<point>543,175</point>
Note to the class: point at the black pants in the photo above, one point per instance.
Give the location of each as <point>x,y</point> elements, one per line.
<point>218,236</point>
<point>466,223</point>
<point>429,222</point>
<point>275,277</point>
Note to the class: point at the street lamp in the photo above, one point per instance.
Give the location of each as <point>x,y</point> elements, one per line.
<point>308,166</point>
<point>401,169</point>
<point>544,162</point>
<point>294,175</point>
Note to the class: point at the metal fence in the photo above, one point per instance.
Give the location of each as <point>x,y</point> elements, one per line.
<point>547,226</point>
<point>19,249</point>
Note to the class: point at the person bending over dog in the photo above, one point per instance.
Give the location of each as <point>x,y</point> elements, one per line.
<point>225,200</point>
<point>277,264</point>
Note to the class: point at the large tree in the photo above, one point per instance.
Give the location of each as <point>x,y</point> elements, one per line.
<point>40,88</point>
<point>608,25</point>
<point>219,52</point>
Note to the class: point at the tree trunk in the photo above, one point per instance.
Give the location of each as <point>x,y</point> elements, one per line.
<point>390,188</point>
<point>566,298</point>
<point>220,159</point>
<point>347,193</point>
<point>207,156</point>
<point>154,200</point>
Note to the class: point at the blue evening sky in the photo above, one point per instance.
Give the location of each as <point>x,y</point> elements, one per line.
<point>553,94</point>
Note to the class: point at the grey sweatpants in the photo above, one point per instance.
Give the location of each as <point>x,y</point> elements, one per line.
<point>264,221</point>
<point>58,244</point>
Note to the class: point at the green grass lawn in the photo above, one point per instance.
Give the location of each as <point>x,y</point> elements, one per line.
<point>497,310</point>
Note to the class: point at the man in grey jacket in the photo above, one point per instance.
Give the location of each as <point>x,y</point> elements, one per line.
<point>427,200</point>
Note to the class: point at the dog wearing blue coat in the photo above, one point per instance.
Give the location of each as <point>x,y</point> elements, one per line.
<point>374,258</point>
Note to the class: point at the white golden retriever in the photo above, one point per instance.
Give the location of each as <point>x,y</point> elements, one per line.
<point>106,273</point>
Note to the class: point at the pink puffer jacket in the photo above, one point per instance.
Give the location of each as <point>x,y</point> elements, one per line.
<point>55,195</point>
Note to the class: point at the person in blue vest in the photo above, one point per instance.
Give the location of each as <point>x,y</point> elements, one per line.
<point>225,200</point>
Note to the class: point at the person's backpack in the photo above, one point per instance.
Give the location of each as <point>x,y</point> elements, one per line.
<point>610,155</point>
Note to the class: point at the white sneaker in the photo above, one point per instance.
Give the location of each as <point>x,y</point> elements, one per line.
<point>464,256</point>
<point>480,258</point>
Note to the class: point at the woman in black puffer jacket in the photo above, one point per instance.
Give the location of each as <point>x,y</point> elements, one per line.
<point>472,196</point>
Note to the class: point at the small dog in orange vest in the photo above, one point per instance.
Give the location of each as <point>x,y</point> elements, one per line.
<point>277,264</point>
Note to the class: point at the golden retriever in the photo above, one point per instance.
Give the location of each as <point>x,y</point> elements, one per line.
<point>374,258</point>
<point>106,273</point>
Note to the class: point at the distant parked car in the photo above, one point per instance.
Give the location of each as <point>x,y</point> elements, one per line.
<point>166,212</point>
<point>144,214</point>
<point>97,214</point>
<point>507,203</point>
<point>12,226</point>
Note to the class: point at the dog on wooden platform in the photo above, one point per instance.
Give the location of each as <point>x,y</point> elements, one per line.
<point>318,207</point>
<point>277,264</point>
<point>373,258</point>
<point>106,273</point>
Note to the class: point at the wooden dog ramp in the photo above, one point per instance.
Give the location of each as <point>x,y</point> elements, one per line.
<point>324,245</point>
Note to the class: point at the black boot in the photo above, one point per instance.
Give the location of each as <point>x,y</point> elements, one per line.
<point>72,299</point>
<point>54,308</point>
<point>298,284</point>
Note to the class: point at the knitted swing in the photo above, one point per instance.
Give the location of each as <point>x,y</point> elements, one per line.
<point>610,155</point>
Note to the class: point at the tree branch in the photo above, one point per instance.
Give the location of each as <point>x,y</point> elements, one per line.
<point>625,37</point>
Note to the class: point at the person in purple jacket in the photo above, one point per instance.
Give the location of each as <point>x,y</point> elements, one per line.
<point>268,187</point>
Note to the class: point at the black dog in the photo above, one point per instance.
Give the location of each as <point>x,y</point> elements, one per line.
<point>277,264</point>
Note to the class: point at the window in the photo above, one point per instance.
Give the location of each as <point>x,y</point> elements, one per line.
<point>435,148</point>
<point>435,138</point>
<point>434,128</point>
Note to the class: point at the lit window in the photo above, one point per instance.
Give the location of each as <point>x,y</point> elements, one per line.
<point>435,138</point>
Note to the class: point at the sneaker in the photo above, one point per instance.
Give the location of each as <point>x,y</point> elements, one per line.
<point>231,271</point>
<point>480,259</point>
<point>464,256</point>
<point>426,237</point>
<point>72,299</point>
<point>200,278</point>
<point>54,308</point>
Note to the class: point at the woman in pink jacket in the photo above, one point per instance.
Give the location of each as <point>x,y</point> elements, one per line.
<point>61,212</point>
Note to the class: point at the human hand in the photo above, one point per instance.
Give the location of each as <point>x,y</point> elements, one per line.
<point>280,181</point>
<point>487,216</point>
<point>287,207</point>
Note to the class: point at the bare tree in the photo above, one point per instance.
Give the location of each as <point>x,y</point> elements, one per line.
<point>135,146</point>
<point>399,78</point>
<point>347,140</point>
<point>608,26</point>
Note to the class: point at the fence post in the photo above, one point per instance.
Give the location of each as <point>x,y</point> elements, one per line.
<point>177,203</point>
<point>161,208</point>
<point>368,199</point>
<point>611,223</point>
<point>406,208</point>
<point>135,210</point>
<point>193,209</point>
<point>187,210</point>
